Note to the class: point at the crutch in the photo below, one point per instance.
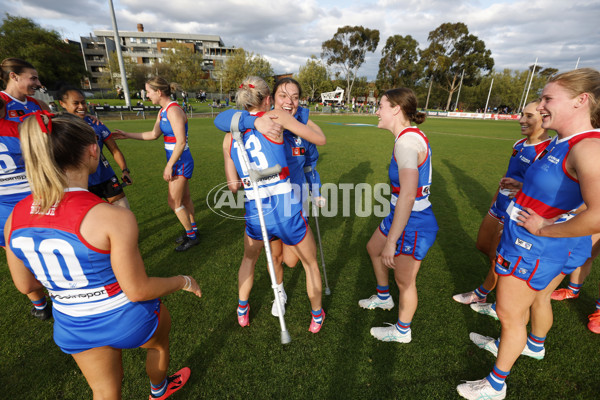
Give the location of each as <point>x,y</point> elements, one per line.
<point>254,175</point>
<point>316,215</point>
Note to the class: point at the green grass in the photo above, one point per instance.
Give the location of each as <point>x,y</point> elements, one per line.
<point>342,361</point>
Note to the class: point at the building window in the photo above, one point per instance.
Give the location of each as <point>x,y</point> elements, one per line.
<point>143,40</point>
<point>153,40</point>
<point>133,40</point>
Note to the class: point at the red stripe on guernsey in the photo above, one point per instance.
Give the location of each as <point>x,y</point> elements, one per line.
<point>572,142</point>
<point>9,128</point>
<point>170,139</point>
<point>542,146</point>
<point>285,172</point>
<point>539,207</point>
<point>113,289</point>
<point>173,103</point>
<point>396,190</point>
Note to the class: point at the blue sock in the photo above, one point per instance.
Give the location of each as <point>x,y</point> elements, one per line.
<point>40,304</point>
<point>242,307</point>
<point>383,292</point>
<point>191,234</point>
<point>403,327</point>
<point>481,292</point>
<point>160,389</point>
<point>575,288</point>
<point>535,343</point>
<point>497,377</point>
<point>598,304</point>
<point>317,315</point>
<point>194,227</point>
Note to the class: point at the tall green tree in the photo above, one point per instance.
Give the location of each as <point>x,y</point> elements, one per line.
<point>451,51</point>
<point>242,64</point>
<point>398,66</point>
<point>186,66</point>
<point>313,77</point>
<point>55,60</point>
<point>347,50</point>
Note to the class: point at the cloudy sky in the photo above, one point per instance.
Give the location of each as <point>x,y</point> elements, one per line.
<point>287,33</point>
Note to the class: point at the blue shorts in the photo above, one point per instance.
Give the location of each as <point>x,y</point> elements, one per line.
<point>537,273</point>
<point>410,243</point>
<point>291,231</point>
<point>184,166</point>
<point>497,213</point>
<point>127,327</point>
<point>579,254</point>
<point>5,210</point>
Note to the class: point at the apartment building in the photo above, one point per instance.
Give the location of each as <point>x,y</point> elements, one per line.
<point>147,48</point>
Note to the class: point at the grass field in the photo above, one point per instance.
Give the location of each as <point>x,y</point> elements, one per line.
<point>343,361</point>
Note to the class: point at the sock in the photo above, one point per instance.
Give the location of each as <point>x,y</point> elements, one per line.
<point>575,288</point>
<point>317,316</point>
<point>481,292</point>
<point>195,227</point>
<point>598,305</point>
<point>242,307</point>
<point>497,377</point>
<point>160,389</point>
<point>191,234</point>
<point>280,288</point>
<point>40,304</point>
<point>383,292</point>
<point>403,327</point>
<point>535,343</point>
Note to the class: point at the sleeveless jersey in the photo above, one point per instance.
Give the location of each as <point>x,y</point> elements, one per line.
<point>169,135</point>
<point>275,191</point>
<point>13,181</point>
<point>78,276</point>
<point>15,109</point>
<point>550,191</point>
<point>523,156</point>
<point>104,171</point>
<point>421,217</point>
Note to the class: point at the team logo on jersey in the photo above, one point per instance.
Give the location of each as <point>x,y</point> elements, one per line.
<point>523,244</point>
<point>298,151</point>
<point>15,113</point>
<point>515,152</point>
<point>298,141</point>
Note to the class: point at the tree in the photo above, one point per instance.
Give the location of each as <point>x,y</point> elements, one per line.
<point>186,65</point>
<point>398,66</point>
<point>313,77</point>
<point>243,64</point>
<point>55,60</point>
<point>347,49</point>
<point>453,50</point>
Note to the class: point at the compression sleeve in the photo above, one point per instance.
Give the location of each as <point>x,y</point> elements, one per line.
<point>223,120</point>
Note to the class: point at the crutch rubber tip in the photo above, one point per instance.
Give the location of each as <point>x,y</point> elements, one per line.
<point>327,291</point>
<point>285,337</point>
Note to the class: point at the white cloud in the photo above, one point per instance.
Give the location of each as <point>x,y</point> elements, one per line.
<point>288,32</point>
